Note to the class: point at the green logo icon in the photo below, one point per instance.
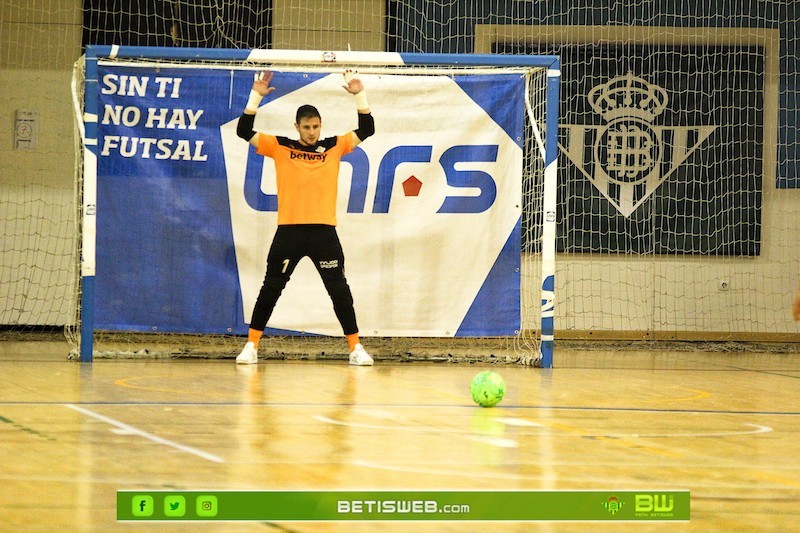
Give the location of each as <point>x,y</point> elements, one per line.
<point>174,505</point>
<point>142,505</point>
<point>207,505</point>
<point>654,503</point>
<point>613,505</point>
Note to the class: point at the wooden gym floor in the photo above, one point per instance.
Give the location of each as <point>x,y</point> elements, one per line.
<point>724,426</point>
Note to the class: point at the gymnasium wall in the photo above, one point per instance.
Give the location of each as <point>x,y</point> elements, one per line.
<point>650,296</point>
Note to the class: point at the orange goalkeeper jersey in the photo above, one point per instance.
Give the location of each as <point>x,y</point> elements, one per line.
<point>307,177</point>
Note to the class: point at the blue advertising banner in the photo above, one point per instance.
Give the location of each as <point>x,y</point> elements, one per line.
<point>429,207</point>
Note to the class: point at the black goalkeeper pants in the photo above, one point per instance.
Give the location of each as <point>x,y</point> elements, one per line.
<point>321,244</point>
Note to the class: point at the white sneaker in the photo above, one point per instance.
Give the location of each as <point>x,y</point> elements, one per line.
<point>360,357</point>
<point>249,355</point>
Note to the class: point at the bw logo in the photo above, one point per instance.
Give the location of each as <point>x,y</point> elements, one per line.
<point>630,155</point>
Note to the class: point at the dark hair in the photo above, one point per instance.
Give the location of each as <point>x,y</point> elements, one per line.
<point>306,111</point>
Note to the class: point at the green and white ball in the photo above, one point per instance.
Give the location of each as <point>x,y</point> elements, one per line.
<point>487,388</point>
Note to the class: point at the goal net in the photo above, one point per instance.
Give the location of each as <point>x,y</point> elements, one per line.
<point>442,214</point>
<point>676,221</point>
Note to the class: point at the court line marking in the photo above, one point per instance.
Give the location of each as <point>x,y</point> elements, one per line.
<point>417,429</point>
<point>503,407</point>
<point>619,484</point>
<point>430,429</point>
<point>125,429</point>
<point>758,429</point>
<point>500,442</point>
<point>699,394</point>
<point>123,382</point>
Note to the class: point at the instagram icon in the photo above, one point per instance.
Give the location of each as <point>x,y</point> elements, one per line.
<point>207,505</point>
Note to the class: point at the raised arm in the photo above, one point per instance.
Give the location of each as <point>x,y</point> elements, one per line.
<point>260,89</point>
<point>366,125</point>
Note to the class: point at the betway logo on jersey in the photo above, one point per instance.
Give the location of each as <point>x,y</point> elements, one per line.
<point>425,207</point>
<point>306,156</point>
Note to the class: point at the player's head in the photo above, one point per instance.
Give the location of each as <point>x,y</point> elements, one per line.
<point>308,124</point>
<point>306,111</point>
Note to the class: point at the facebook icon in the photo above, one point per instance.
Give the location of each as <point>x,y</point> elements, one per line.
<point>142,505</point>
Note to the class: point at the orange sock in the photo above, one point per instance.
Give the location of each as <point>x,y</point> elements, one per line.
<point>352,340</point>
<point>254,335</point>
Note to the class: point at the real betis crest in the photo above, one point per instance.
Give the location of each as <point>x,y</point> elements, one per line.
<point>629,157</point>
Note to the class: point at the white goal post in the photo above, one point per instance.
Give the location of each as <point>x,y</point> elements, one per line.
<point>121,116</point>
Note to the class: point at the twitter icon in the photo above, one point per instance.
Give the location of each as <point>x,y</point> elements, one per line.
<point>174,505</point>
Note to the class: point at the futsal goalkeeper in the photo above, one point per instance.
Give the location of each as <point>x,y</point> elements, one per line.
<point>307,171</point>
